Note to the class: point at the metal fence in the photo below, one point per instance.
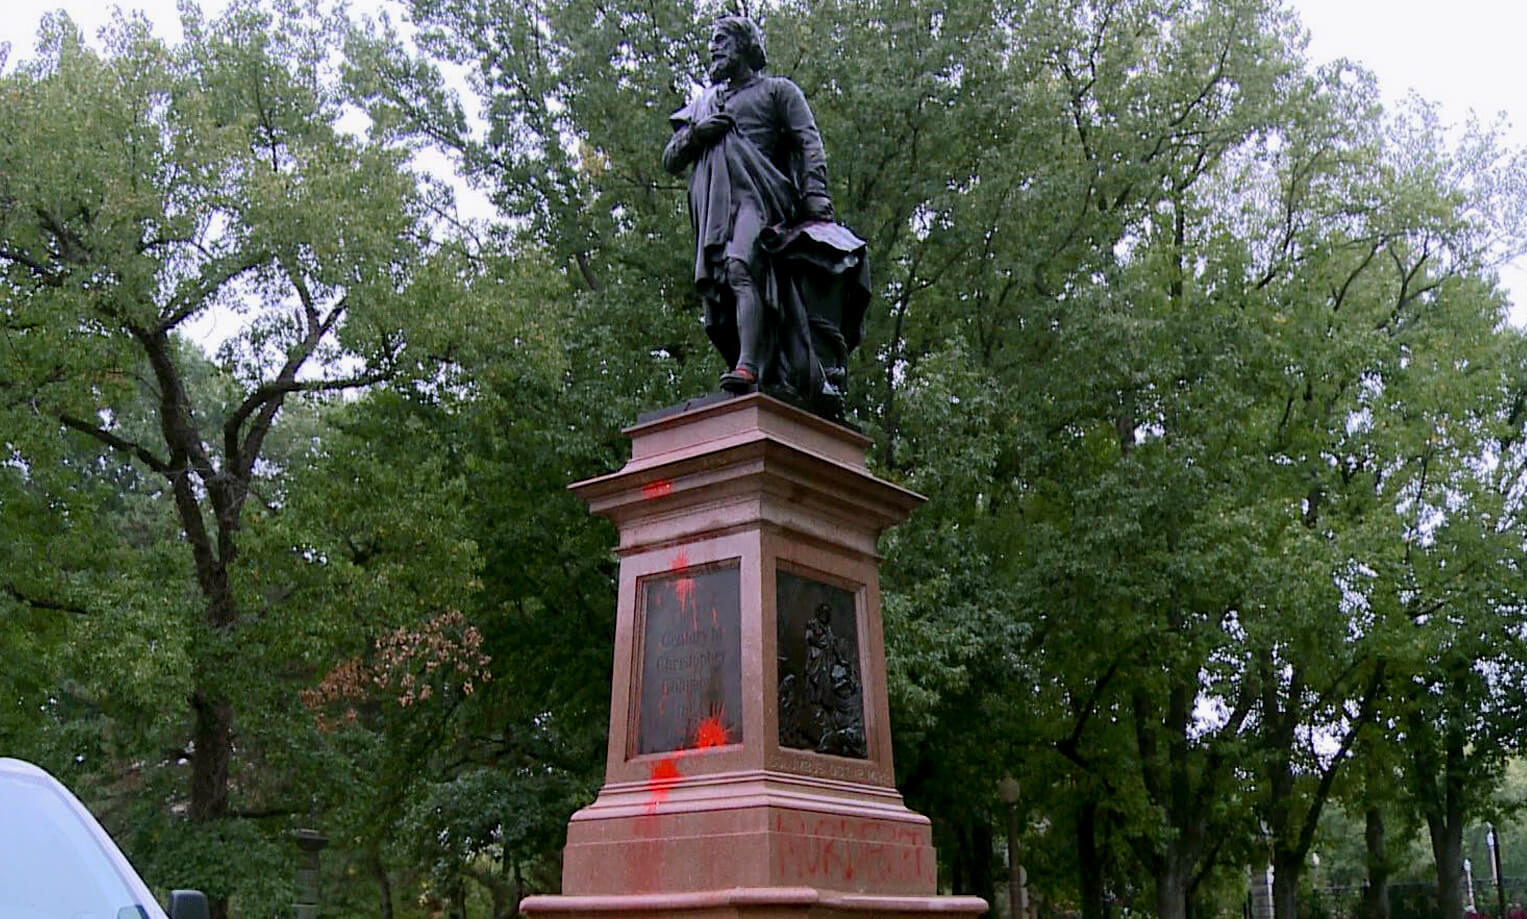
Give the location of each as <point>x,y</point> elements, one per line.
<point>1417,901</point>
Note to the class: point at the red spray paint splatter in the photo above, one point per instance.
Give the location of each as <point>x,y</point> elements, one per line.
<point>684,588</point>
<point>665,774</point>
<point>710,732</point>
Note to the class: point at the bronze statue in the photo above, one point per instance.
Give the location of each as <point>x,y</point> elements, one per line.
<point>785,287</point>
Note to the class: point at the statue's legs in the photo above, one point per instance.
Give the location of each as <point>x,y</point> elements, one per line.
<point>739,277</point>
<point>750,327</point>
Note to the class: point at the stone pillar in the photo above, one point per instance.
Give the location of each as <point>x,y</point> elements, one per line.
<point>311,842</point>
<point>749,764</point>
<point>1261,893</point>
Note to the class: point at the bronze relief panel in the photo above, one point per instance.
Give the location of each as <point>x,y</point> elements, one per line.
<point>821,687</point>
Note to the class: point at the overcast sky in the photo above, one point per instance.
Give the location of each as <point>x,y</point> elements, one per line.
<point>1465,54</point>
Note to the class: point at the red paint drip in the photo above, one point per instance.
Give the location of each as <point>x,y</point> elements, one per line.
<point>660,488</point>
<point>684,588</point>
<point>665,774</point>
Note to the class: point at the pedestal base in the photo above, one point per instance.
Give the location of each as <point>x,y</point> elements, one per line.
<point>749,830</point>
<point>753,903</point>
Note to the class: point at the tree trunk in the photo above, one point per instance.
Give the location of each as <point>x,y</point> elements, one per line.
<point>212,744</point>
<point>458,907</point>
<point>1285,885</point>
<point>384,886</point>
<point>1447,851</point>
<point>1375,903</point>
<point>211,715</point>
<point>959,860</point>
<point>1172,882</point>
<point>212,734</point>
<point>1444,822</point>
<point>983,881</point>
<point>1089,863</point>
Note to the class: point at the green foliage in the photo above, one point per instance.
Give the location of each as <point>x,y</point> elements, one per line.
<point>1194,349</point>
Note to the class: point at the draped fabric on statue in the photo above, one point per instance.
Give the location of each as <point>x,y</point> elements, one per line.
<point>813,277</point>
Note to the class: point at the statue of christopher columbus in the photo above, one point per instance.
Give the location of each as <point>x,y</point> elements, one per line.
<point>785,287</point>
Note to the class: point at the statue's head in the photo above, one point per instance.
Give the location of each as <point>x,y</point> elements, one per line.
<point>735,43</point>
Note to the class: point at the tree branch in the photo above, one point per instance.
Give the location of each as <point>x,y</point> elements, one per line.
<point>241,455</point>
<point>16,594</point>
<point>116,443</point>
<point>185,305</point>
<point>49,276</point>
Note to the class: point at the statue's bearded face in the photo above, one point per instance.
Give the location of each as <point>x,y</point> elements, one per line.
<point>726,58</point>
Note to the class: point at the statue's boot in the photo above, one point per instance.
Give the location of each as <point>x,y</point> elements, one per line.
<point>740,380</point>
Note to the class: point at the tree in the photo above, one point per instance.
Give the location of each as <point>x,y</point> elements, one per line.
<point>147,189</point>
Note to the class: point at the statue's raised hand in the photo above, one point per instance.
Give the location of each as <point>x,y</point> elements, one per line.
<point>712,129</point>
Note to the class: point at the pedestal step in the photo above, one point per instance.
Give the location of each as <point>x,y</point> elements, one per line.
<point>753,903</point>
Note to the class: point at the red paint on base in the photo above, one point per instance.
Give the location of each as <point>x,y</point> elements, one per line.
<point>665,774</point>
<point>659,489</point>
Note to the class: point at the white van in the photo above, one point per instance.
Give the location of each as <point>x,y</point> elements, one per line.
<point>56,861</point>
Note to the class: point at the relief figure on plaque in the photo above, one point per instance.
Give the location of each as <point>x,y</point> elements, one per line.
<point>821,701</point>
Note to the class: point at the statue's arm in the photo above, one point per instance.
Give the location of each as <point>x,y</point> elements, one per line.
<point>682,149</point>
<point>797,122</point>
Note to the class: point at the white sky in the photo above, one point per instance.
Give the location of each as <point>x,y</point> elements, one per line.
<point>1465,54</point>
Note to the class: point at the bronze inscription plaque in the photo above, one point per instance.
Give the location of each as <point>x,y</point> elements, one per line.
<point>821,690</point>
<point>691,666</point>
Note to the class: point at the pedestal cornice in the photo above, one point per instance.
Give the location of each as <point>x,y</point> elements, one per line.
<point>765,463</point>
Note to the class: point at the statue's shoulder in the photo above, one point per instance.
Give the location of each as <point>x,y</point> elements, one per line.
<point>784,93</point>
<point>696,109</point>
<point>777,84</point>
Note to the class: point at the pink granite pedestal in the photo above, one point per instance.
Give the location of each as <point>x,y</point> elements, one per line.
<point>731,516</point>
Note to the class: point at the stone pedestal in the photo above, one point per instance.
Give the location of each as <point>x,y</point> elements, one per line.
<point>749,767</point>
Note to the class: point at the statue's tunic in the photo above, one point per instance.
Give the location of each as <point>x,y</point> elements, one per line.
<point>745,198</point>
<point>755,176</point>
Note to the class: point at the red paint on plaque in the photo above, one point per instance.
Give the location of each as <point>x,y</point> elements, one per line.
<point>659,489</point>
<point>711,732</point>
<point>684,588</point>
<point>664,774</point>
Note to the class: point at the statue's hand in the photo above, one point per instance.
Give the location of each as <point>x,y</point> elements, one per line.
<point>713,128</point>
<point>816,207</point>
